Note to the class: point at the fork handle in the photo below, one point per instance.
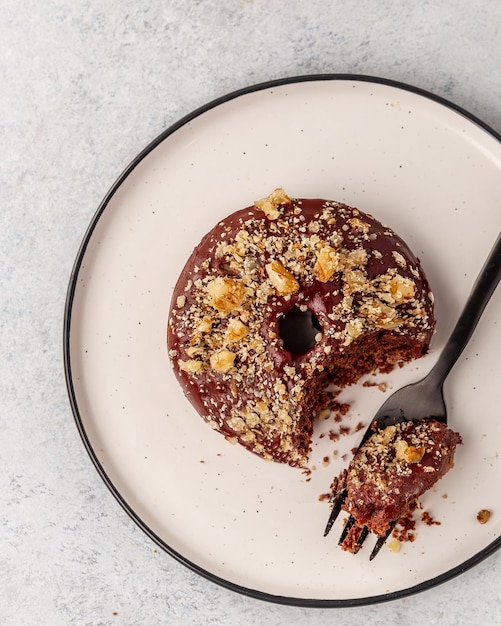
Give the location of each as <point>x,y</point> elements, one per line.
<point>484,287</point>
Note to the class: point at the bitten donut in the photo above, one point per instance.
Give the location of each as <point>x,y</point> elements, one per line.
<point>283,298</point>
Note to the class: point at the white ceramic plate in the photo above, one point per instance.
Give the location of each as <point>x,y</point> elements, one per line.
<point>418,163</point>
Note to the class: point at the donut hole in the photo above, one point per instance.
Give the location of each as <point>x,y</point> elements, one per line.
<point>299,330</point>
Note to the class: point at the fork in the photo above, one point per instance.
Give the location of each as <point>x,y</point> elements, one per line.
<point>425,398</point>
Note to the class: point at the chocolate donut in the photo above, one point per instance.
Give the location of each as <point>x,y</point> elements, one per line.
<point>283,298</point>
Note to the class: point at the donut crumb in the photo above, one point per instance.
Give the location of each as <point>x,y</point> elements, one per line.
<point>483,516</point>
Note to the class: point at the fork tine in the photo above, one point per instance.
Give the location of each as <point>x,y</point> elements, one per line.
<point>362,537</point>
<point>381,541</point>
<point>336,509</point>
<point>363,532</point>
<point>346,529</point>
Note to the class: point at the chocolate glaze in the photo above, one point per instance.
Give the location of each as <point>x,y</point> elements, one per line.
<point>263,372</point>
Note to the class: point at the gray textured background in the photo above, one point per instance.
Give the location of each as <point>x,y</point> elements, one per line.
<point>85,85</point>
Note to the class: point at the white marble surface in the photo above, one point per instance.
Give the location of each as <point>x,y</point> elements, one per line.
<point>85,85</point>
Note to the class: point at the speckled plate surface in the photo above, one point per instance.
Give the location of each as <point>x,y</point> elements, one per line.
<point>426,168</point>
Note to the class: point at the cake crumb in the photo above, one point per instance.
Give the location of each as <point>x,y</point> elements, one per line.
<point>428,519</point>
<point>405,530</point>
<point>381,386</point>
<point>483,516</point>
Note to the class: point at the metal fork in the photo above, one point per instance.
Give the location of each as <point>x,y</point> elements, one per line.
<point>425,399</point>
